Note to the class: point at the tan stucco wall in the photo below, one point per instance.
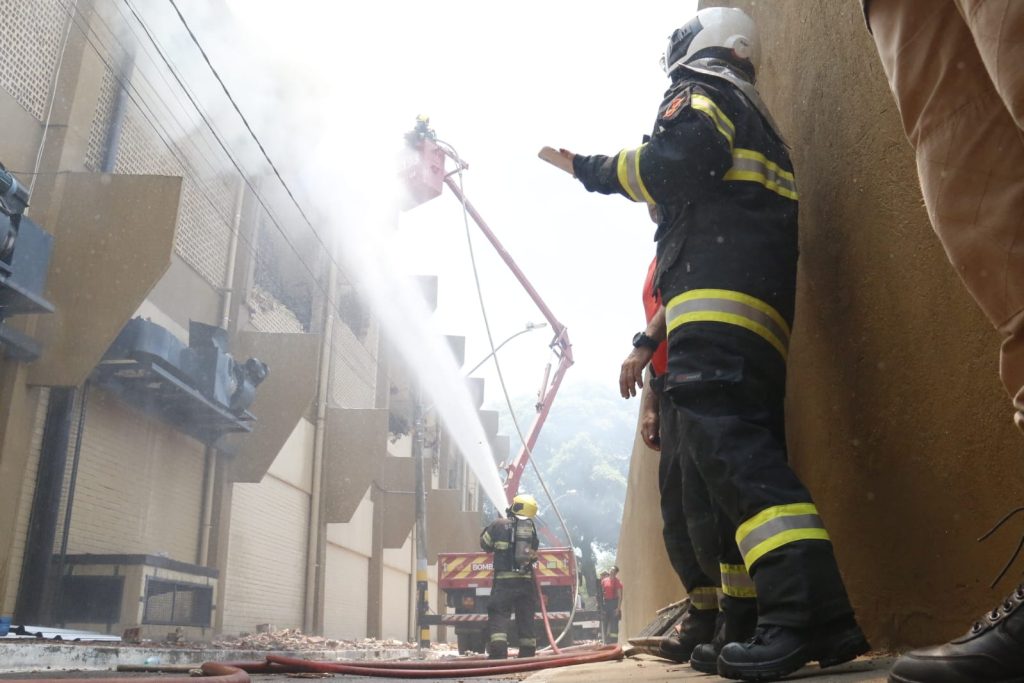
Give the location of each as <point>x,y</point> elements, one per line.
<point>897,420</point>
<point>648,581</point>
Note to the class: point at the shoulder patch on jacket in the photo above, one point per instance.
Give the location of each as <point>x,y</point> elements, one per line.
<point>676,105</point>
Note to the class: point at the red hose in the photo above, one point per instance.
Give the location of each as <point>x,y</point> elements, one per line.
<point>453,670</point>
<point>544,613</point>
<point>213,671</point>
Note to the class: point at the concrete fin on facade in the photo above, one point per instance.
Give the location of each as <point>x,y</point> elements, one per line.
<point>449,529</point>
<point>476,390</point>
<point>397,499</point>
<point>282,400</point>
<point>113,240</point>
<point>355,447</point>
<point>457,344</point>
<point>428,289</point>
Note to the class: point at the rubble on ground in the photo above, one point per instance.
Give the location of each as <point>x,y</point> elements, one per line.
<point>291,639</point>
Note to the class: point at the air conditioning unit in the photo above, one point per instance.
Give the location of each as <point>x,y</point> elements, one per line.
<point>24,261</point>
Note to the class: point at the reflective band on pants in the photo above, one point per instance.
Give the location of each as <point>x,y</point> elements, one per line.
<point>776,526</point>
<point>736,582</point>
<point>704,598</point>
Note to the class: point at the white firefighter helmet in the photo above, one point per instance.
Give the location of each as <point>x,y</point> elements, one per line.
<point>714,27</point>
<point>524,505</point>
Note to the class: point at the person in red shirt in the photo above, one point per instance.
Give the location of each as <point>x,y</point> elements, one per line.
<point>690,526</point>
<point>611,605</point>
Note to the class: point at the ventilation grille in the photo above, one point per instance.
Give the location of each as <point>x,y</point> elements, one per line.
<point>353,371</point>
<point>31,33</point>
<point>206,203</point>
<point>170,603</point>
<point>267,314</point>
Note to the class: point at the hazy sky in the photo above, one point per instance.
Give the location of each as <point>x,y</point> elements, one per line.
<point>499,82</point>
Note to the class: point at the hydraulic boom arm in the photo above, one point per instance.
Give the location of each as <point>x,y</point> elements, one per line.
<point>425,178</point>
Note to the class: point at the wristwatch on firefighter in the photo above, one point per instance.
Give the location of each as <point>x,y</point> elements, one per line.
<point>643,340</point>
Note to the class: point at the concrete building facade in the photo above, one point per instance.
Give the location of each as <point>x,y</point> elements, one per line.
<point>129,498</point>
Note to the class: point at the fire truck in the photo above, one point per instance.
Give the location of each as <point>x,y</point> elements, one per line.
<point>466,578</point>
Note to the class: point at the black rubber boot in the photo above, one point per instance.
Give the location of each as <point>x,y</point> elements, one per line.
<point>991,652</point>
<point>736,622</point>
<point>696,627</point>
<point>497,649</point>
<point>777,651</point>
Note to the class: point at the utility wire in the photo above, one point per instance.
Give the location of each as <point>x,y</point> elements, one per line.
<point>244,120</point>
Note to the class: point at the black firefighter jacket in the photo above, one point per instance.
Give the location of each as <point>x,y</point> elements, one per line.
<point>720,185</point>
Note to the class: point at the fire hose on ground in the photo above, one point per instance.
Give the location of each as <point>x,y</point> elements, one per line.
<point>238,672</point>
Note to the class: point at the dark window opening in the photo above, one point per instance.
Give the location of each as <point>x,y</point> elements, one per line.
<point>89,599</point>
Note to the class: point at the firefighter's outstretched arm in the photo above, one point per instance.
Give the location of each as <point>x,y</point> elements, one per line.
<point>486,541</point>
<point>689,154</point>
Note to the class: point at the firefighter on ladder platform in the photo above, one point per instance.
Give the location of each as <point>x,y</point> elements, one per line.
<point>513,540</point>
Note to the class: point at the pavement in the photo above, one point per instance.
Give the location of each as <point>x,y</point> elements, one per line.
<point>647,669</point>
<point>45,661</point>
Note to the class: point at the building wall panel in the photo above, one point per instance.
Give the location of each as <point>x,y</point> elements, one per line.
<point>25,506</point>
<point>396,604</point>
<point>345,599</point>
<point>266,569</point>
<point>139,484</point>
<point>31,35</point>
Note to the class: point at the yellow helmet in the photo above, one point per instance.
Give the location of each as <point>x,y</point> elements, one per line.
<point>524,505</point>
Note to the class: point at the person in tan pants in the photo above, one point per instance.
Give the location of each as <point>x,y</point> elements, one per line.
<point>956,68</point>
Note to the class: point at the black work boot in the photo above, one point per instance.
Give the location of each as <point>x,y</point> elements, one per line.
<point>777,651</point>
<point>991,652</point>
<point>497,649</point>
<point>697,626</point>
<point>736,622</point>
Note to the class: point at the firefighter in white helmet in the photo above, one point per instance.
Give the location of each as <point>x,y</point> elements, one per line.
<point>513,540</point>
<point>715,174</point>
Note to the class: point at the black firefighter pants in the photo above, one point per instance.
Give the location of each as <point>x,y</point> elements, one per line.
<point>507,596</point>
<point>690,532</point>
<point>729,386</point>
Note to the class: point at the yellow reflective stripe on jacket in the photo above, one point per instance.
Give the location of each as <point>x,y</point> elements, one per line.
<point>723,123</point>
<point>753,166</point>
<point>501,545</point>
<point>776,526</point>
<point>628,169</point>
<point>736,581</point>
<point>704,598</point>
<point>486,537</point>
<point>734,308</point>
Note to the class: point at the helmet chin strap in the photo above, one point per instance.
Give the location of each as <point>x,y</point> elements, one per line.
<point>719,68</point>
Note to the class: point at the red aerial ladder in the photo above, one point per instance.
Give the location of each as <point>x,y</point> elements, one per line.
<point>466,577</point>
<point>424,179</point>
